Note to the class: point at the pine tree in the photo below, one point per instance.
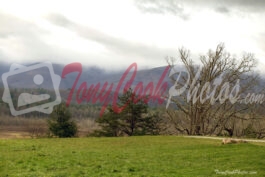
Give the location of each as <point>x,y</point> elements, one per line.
<point>132,120</point>
<point>60,123</point>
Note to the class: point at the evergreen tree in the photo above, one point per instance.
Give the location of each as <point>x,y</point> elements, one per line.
<point>132,120</point>
<point>60,123</point>
<point>110,124</point>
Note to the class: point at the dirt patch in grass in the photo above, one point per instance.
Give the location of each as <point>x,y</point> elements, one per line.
<point>14,134</point>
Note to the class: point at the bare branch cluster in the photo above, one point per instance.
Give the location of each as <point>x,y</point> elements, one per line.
<point>204,117</point>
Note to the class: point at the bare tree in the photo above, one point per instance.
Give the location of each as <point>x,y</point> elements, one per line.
<point>210,96</point>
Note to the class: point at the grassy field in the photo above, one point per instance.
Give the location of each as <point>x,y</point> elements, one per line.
<point>130,156</point>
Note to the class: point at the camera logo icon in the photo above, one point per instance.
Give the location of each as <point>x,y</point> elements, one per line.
<point>31,88</point>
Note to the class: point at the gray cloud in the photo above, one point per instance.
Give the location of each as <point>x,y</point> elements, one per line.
<point>59,20</point>
<point>162,7</point>
<point>222,9</point>
<point>245,6</point>
<point>118,45</point>
<point>24,41</point>
<point>12,26</point>
<point>177,7</point>
<point>251,5</point>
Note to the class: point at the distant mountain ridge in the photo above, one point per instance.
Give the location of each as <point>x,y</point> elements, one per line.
<point>90,75</point>
<point>93,75</point>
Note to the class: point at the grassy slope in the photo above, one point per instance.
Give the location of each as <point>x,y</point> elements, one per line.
<point>128,156</point>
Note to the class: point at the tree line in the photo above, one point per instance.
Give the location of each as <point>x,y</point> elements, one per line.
<point>185,115</point>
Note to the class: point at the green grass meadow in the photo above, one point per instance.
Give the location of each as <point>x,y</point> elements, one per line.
<point>130,156</point>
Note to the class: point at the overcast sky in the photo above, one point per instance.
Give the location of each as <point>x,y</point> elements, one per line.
<point>114,34</point>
